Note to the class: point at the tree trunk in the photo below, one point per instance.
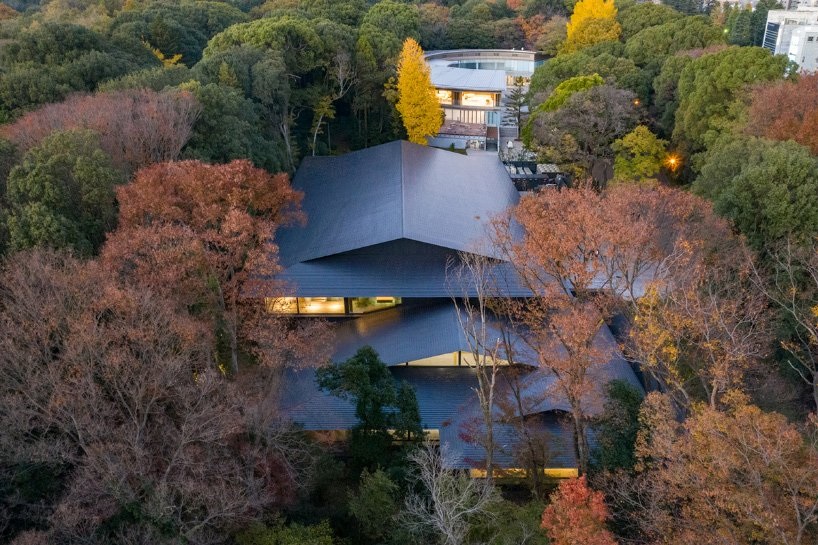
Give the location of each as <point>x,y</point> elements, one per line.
<point>315,133</point>
<point>580,440</point>
<point>489,445</point>
<point>533,468</point>
<point>815,389</point>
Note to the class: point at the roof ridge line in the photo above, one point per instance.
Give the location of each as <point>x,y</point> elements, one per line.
<point>402,190</point>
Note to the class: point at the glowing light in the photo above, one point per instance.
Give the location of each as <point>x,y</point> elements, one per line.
<point>673,161</point>
<point>636,102</point>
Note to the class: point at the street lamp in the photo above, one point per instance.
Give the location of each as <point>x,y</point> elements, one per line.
<point>673,162</point>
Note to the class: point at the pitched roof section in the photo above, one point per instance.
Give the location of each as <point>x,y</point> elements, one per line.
<point>401,268</point>
<point>393,191</point>
<point>447,402</point>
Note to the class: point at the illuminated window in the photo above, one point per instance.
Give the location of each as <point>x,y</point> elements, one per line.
<point>483,100</point>
<point>444,96</point>
<point>321,305</point>
<point>361,305</point>
<point>467,358</point>
<point>281,305</point>
<point>328,305</point>
<point>451,359</point>
<point>443,360</point>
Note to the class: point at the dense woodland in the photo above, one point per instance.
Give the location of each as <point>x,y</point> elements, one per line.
<point>145,154</point>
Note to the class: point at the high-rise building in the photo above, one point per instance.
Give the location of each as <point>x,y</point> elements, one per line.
<point>794,33</point>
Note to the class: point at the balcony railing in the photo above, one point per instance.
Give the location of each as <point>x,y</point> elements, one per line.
<point>479,116</point>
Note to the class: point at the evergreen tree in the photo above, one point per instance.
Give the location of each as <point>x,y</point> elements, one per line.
<point>758,19</point>
<point>515,101</point>
<point>417,103</point>
<point>384,410</point>
<point>740,27</point>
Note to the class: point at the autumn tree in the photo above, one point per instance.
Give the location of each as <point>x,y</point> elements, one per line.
<point>136,127</point>
<point>786,110</point>
<point>580,269</point>
<point>227,216</point>
<point>701,326</point>
<point>577,514</point>
<point>62,194</point>
<point>593,21</point>
<point>417,103</point>
<point>147,441</point>
<point>560,328</point>
<point>735,476</point>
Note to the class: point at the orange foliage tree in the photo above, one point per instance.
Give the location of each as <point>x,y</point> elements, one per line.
<point>786,110</point>
<point>577,515</point>
<point>580,254</point>
<point>702,323</point>
<point>210,228</point>
<point>722,477</point>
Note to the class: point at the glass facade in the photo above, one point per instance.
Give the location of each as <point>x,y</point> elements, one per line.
<point>483,100</point>
<point>329,305</point>
<point>444,96</point>
<point>519,66</point>
<point>452,359</point>
<point>362,305</point>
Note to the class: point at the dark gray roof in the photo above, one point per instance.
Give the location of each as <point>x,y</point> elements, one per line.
<point>408,332</point>
<point>445,394</point>
<point>400,268</point>
<point>394,191</point>
<point>447,403</point>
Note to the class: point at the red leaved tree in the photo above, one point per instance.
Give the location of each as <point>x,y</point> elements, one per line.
<point>203,235</point>
<point>786,110</point>
<point>577,515</point>
<point>137,127</point>
<point>110,392</point>
<point>581,253</point>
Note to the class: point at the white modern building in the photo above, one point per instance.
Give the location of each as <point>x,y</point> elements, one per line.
<point>470,84</point>
<point>794,33</point>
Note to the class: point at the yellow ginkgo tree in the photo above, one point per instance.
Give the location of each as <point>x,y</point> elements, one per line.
<point>417,101</point>
<point>593,21</point>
